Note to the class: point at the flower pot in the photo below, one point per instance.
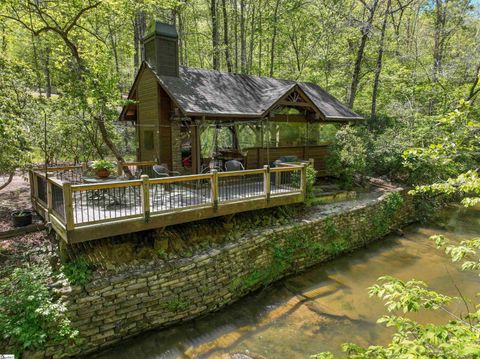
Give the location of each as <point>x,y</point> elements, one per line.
<point>102,173</point>
<point>22,218</point>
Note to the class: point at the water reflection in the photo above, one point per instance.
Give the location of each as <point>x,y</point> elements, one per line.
<point>322,308</point>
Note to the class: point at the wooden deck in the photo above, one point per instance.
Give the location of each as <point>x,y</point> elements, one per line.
<point>81,212</point>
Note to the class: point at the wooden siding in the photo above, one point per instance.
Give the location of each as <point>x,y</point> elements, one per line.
<point>258,157</point>
<point>147,114</point>
<point>165,131</point>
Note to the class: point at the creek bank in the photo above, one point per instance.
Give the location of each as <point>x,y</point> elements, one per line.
<point>114,307</point>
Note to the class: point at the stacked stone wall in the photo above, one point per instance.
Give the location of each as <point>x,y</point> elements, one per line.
<point>112,308</point>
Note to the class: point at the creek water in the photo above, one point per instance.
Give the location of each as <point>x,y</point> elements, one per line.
<point>322,308</point>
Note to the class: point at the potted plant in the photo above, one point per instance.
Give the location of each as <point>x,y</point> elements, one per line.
<point>102,168</point>
<point>22,218</point>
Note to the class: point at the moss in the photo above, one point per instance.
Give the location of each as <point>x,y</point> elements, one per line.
<point>385,215</point>
<point>177,305</point>
<point>285,252</point>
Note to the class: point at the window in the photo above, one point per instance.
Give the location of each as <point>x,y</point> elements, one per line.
<point>148,143</point>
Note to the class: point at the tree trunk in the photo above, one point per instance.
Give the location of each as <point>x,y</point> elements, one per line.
<point>260,42</point>
<point>215,37</point>
<point>139,26</point>
<point>274,36</point>
<point>46,70</point>
<point>252,40</point>
<point>226,44</point>
<point>9,180</point>
<point>473,88</point>
<point>181,40</point>
<point>378,68</point>
<point>360,52</point>
<point>235,4</point>
<point>243,39</point>
<point>440,18</point>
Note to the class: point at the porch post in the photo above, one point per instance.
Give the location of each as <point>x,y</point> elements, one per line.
<point>68,205</point>
<point>49,198</point>
<point>266,182</point>
<point>196,149</point>
<point>303,182</point>
<point>215,189</point>
<point>146,197</point>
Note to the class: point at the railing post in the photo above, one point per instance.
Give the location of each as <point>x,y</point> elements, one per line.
<point>215,189</point>
<point>146,197</point>
<point>68,205</point>
<point>32,188</point>
<point>49,198</point>
<point>303,177</point>
<point>266,182</point>
<point>311,162</point>
<point>119,169</point>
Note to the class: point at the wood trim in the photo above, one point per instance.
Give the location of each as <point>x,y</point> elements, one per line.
<point>59,227</point>
<point>240,173</point>
<point>286,169</point>
<point>139,163</point>
<point>102,230</point>
<point>175,179</point>
<point>120,184</point>
<point>68,206</point>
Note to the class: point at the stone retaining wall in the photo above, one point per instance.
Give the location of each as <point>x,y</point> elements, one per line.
<point>112,308</point>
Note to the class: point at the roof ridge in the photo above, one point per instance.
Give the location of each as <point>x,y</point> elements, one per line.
<point>237,74</point>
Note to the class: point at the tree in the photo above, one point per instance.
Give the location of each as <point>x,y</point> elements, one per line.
<point>460,337</point>
<point>62,20</point>
<point>15,113</point>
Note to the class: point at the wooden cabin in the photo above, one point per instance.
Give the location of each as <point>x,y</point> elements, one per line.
<point>191,119</point>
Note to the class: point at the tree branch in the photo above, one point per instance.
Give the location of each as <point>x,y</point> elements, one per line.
<point>79,14</point>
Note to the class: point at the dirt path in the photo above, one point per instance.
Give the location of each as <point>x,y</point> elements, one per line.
<point>15,196</point>
<point>19,249</point>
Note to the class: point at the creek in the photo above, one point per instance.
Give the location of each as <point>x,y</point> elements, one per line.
<point>322,308</point>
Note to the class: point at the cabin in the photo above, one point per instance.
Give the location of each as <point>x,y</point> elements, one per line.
<point>192,120</point>
<point>209,144</point>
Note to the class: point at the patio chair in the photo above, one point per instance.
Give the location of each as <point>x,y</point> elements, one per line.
<point>162,171</point>
<point>234,165</point>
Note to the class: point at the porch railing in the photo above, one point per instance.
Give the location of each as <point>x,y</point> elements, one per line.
<point>72,206</point>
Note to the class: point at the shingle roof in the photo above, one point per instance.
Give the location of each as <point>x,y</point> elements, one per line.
<point>214,93</point>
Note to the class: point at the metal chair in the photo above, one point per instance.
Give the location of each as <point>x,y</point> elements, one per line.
<point>162,171</point>
<point>234,165</point>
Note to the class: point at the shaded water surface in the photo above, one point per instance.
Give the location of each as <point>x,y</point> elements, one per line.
<point>322,308</point>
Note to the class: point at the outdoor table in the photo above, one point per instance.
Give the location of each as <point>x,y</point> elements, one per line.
<point>110,198</point>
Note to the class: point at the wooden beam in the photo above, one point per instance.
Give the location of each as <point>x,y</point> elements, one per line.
<point>145,197</point>
<point>196,149</point>
<point>266,183</point>
<point>68,206</point>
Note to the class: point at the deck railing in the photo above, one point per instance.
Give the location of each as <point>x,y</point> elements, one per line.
<point>71,207</point>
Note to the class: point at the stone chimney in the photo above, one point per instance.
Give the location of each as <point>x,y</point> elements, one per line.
<point>160,47</point>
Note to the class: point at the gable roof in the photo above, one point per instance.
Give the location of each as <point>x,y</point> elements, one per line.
<point>201,92</point>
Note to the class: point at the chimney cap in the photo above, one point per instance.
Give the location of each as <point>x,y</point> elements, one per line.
<point>161,29</point>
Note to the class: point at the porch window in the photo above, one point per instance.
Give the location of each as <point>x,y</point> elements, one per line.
<point>148,143</point>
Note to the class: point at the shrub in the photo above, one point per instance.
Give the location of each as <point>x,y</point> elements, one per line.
<point>347,156</point>
<point>29,316</point>
<point>78,272</point>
